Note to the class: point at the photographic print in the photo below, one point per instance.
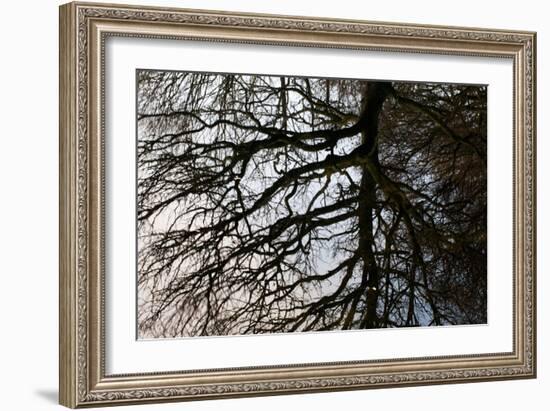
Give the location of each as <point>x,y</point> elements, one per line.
<point>276,204</point>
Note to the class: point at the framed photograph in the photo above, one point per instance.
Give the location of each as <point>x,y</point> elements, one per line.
<point>259,204</point>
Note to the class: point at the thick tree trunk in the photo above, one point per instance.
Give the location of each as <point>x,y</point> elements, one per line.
<point>375,96</point>
<point>370,275</point>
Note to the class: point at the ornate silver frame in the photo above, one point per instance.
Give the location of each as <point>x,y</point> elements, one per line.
<point>83,30</point>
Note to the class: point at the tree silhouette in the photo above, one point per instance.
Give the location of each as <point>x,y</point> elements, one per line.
<point>282,204</point>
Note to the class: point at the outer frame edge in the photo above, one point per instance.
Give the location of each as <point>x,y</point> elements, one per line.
<point>67,197</point>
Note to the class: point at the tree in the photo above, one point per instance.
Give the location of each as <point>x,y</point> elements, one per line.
<point>282,204</point>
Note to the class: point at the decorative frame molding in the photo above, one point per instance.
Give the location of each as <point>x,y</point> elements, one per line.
<point>83,29</point>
